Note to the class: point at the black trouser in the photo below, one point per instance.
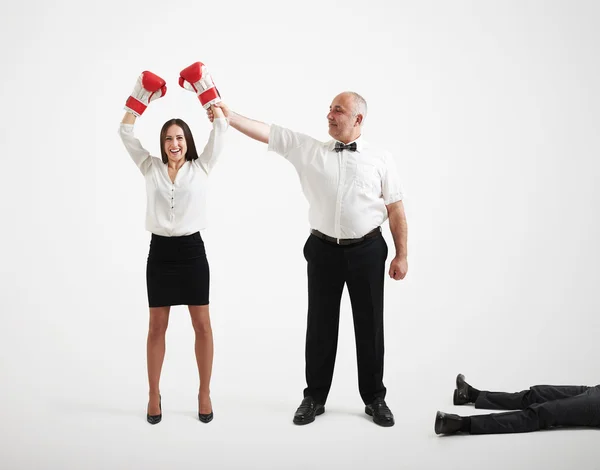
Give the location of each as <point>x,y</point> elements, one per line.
<point>361,267</point>
<point>543,407</point>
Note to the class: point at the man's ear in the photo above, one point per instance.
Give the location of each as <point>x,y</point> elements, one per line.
<point>359,119</point>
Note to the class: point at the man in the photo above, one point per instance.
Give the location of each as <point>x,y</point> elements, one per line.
<point>352,188</point>
<point>541,407</point>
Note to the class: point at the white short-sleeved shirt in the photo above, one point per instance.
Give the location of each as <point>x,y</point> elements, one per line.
<point>346,191</point>
<point>179,208</point>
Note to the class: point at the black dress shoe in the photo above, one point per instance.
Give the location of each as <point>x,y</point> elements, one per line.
<point>446,423</point>
<point>155,419</point>
<point>307,411</point>
<point>382,415</point>
<point>461,393</point>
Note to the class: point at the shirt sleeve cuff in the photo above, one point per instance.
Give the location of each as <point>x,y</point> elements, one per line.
<point>393,198</point>
<point>272,138</point>
<point>221,124</point>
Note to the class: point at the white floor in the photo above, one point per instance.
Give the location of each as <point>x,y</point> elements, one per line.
<point>76,407</point>
<point>253,433</point>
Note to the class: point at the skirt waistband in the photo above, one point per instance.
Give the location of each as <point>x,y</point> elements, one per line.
<point>160,238</point>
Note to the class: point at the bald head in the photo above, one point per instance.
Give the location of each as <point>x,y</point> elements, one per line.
<point>347,113</point>
<point>360,104</point>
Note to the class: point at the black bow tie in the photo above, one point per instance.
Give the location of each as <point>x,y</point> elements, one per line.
<point>339,147</point>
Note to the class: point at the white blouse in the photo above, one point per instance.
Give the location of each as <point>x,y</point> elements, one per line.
<point>347,191</point>
<point>179,208</point>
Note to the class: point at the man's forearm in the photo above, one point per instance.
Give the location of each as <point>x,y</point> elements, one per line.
<point>399,229</point>
<point>255,129</point>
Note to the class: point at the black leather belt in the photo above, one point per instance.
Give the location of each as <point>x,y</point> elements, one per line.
<point>346,241</point>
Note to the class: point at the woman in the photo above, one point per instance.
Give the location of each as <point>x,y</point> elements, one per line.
<point>177,270</point>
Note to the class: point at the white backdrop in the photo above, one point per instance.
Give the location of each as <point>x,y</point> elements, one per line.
<point>491,111</point>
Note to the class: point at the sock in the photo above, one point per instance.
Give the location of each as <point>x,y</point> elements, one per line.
<point>473,394</point>
<point>465,425</point>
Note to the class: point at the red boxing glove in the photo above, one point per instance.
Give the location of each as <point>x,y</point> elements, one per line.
<point>197,79</point>
<point>148,87</point>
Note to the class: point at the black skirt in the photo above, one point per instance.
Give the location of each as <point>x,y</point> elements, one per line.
<point>177,271</point>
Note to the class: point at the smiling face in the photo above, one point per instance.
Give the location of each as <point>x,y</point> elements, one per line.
<point>174,144</point>
<point>344,121</point>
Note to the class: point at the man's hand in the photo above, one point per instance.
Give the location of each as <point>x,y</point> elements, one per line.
<point>222,106</point>
<point>398,268</point>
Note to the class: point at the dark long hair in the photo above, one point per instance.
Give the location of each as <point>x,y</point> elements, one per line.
<point>192,153</point>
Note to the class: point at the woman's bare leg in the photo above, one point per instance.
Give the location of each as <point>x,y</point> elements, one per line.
<point>155,354</point>
<point>204,354</point>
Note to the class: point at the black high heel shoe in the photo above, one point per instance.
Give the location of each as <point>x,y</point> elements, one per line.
<point>206,418</point>
<point>155,419</point>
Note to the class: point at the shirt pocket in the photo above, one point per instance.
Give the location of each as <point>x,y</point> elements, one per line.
<point>367,179</point>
